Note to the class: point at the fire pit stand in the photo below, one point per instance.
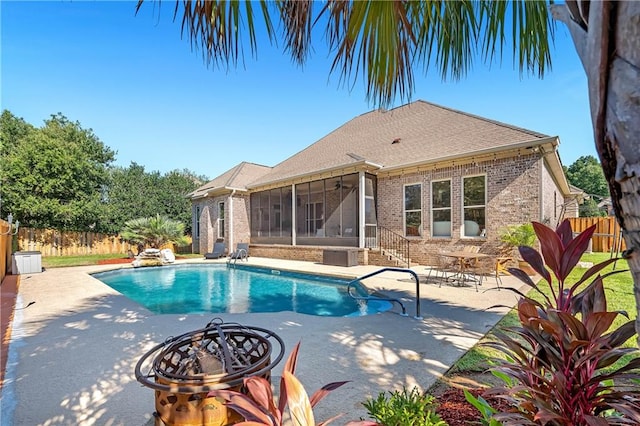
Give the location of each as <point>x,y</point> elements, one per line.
<point>183,369</point>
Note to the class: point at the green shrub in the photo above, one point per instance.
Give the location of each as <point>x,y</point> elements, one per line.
<point>519,235</point>
<point>404,409</point>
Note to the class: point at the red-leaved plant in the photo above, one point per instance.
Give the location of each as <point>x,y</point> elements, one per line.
<point>258,407</point>
<point>555,372</point>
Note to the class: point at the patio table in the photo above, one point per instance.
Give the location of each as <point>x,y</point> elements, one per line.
<point>464,258</point>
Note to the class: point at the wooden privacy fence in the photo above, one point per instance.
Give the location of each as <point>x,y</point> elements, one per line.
<point>606,237</point>
<point>5,248</point>
<point>68,243</point>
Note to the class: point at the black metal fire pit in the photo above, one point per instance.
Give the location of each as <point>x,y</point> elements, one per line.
<point>183,369</point>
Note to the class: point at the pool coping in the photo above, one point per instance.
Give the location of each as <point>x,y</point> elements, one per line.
<point>81,340</point>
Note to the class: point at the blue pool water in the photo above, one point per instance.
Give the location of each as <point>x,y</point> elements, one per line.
<point>196,289</point>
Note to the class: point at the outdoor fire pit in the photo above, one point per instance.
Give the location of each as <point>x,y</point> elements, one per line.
<point>183,369</point>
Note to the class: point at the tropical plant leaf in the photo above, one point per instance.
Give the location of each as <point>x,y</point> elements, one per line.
<point>565,232</point>
<point>623,333</point>
<point>260,390</point>
<point>298,401</point>
<point>598,323</point>
<point>331,419</point>
<point>574,251</point>
<point>244,406</point>
<point>289,366</point>
<point>551,247</point>
<point>324,391</point>
<point>594,270</point>
<point>533,258</point>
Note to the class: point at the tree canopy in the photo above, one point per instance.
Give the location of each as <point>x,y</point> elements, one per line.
<point>586,173</point>
<point>51,176</point>
<point>133,192</point>
<point>60,176</point>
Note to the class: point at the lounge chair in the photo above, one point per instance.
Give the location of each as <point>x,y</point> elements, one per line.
<point>217,253</point>
<point>241,251</point>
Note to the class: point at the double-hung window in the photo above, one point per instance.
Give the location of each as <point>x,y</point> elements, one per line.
<point>221,220</point>
<point>197,222</point>
<point>441,208</point>
<point>474,206</point>
<point>412,210</point>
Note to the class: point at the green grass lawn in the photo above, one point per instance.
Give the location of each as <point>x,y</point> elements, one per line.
<point>89,259</point>
<point>620,297</point>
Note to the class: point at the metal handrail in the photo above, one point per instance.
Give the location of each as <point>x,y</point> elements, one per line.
<point>394,243</point>
<point>390,299</point>
<point>239,254</point>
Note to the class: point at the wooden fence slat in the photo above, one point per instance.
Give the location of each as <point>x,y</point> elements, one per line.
<point>606,234</point>
<point>67,243</point>
<point>5,249</point>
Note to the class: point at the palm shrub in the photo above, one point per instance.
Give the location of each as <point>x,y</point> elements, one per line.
<point>154,231</point>
<point>564,366</point>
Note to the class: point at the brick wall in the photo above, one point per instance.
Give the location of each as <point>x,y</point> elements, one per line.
<point>209,222</point>
<point>241,222</point>
<point>303,253</point>
<point>552,200</point>
<point>513,197</point>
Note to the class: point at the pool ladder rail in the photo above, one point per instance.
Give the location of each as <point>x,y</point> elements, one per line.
<point>390,299</point>
<point>238,254</point>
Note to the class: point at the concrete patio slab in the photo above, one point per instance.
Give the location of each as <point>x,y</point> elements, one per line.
<point>73,352</point>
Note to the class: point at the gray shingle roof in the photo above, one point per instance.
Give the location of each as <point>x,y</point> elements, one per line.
<point>237,177</point>
<point>424,132</point>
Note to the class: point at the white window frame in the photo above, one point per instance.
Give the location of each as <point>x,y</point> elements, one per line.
<point>405,211</point>
<point>463,207</point>
<point>450,208</point>
<point>197,222</point>
<point>314,218</point>
<point>221,219</point>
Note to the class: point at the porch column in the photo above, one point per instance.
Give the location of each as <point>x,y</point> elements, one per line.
<point>361,216</point>
<point>293,214</point>
<point>231,220</point>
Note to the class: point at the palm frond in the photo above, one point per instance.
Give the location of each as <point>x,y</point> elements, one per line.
<point>379,42</point>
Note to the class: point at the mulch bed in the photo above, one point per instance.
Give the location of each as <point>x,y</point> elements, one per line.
<point>454,409</point>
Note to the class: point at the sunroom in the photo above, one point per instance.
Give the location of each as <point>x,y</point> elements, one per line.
<point>332,211</point>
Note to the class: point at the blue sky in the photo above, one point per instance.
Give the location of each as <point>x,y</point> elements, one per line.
<point>148,96</point>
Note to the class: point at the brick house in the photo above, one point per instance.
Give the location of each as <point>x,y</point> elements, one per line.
<point>428,176</point>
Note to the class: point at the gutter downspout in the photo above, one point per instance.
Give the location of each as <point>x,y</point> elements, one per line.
<point>231,220</point>
<point>294,212</point>
<point>361,216</point>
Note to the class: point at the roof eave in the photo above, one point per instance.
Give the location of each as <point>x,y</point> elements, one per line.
<point>361,165</point>
<point>552,141</point>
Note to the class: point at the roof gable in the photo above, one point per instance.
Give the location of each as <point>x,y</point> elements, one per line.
<point>410,134</point>
<point>237,177</point>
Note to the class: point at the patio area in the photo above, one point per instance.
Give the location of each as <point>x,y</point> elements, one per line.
<point>73,352</point>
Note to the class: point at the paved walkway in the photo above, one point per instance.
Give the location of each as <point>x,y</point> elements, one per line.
<point>73,352</point>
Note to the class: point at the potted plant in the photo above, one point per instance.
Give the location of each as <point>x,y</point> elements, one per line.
<point>517,236</point>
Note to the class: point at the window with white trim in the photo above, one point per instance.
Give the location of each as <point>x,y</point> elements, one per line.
<point>412,210</point>
<point>197,222</point>
<point>221,219</point>
<point>474,208</point>
<point>441,208</point>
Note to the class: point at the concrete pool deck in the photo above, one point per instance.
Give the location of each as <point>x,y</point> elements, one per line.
<point>73,352</point>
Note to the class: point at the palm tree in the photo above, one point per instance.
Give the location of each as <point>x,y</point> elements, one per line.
<point>153,231</point>
<point>382,41</point>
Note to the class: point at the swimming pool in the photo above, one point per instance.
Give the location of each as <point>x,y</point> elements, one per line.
<point>197,289</point>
